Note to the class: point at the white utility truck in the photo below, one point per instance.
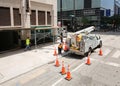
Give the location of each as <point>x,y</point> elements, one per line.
<point>82,42</point>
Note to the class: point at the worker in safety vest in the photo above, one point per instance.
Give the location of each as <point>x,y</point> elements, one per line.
<point>27,44</point>
<point>60,48</point>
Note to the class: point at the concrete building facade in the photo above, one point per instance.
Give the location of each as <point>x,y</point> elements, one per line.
<point>14,19</point>
<point>92,10</point>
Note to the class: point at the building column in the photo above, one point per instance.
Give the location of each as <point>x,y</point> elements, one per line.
<point>54,13</point>
<point>46,23</point>
<point>37,17</point>
<point>52,18</point>
<point>11,16</point>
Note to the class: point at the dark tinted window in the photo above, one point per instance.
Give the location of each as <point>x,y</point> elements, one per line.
<point>33,17</point>
<point>41,17</point>
<point>87,3</point>
<point>17,17</point>
<point>5,16</point>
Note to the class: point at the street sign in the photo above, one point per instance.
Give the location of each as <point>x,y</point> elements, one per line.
<point>108,12</point>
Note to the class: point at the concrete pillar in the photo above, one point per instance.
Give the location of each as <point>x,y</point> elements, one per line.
<point>11,15</point>
<point>55,13</point>
<point>52,17</point>
<point>37,17</point>
<point>46,23</point>
<point>27,20</point>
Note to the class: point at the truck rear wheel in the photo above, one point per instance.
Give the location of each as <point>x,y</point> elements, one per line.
<point>100,45</point>
<point>89,52</point>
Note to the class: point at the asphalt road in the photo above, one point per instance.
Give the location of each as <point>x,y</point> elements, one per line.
<point>103,71</point>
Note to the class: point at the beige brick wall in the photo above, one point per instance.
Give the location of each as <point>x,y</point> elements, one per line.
<point>44,5</point>
<point>8,3</point>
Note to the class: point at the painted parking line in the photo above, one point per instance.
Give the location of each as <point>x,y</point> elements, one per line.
<point>64,76</point>
<point>116,54</point>
<point>57,82</point>
<point>113,64</point>
<point>107,63</point>
<point>106,52</point>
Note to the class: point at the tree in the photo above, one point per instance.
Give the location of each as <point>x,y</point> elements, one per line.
<point>85,21</point>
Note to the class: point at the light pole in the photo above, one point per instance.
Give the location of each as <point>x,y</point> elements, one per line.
<point>74,15</point>
<point>114,7</point>
<point>61,12</point>
<point>74,7</point>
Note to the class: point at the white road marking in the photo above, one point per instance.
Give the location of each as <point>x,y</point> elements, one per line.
<point>106,52</point>
<point>113,64</point>
<point>107,63</point>
<point>57,82</point>
<point>71,72</point>
<point>116,54</point>
<point>78,67</point>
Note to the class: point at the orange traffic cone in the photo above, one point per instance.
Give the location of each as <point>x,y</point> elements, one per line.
<point>65,46</point>
<point>63,69</point>
<point>57,62</point>
<point>68,77</point>
<point>88,60</point>
<point>100,52</point>
<point>55,52</point>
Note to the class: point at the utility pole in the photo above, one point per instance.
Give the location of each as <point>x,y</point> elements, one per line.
<point>74,8</point>
<point>74,15</point>
<point>61,13</point>
<point>114,7</point>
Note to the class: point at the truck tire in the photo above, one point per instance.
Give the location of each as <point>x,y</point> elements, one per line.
<point>89,51</point>
<point>100,45</point>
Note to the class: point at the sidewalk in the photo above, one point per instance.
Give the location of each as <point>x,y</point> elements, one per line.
<point>18,62</point>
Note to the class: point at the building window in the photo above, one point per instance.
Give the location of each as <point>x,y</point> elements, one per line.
<point>89,12</point>
<point>5,16</point>
<point>87,3</point>
<point>48,18</point>
<point>17,17</point>
<point>33,17</point>
<point>41,17</point>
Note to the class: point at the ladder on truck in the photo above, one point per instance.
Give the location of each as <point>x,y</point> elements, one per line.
<point>86,30</point>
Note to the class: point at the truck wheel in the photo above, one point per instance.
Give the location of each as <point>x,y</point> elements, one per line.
<point>89,51</point>
<point>100,45</point>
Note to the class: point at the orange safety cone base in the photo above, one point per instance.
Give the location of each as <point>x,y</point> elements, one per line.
<point>100,52</point>
<point>63,71</point>
<point>88,61</point>
<point>68,77</point>
<point>57,63</point>
<point>55,53</point>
